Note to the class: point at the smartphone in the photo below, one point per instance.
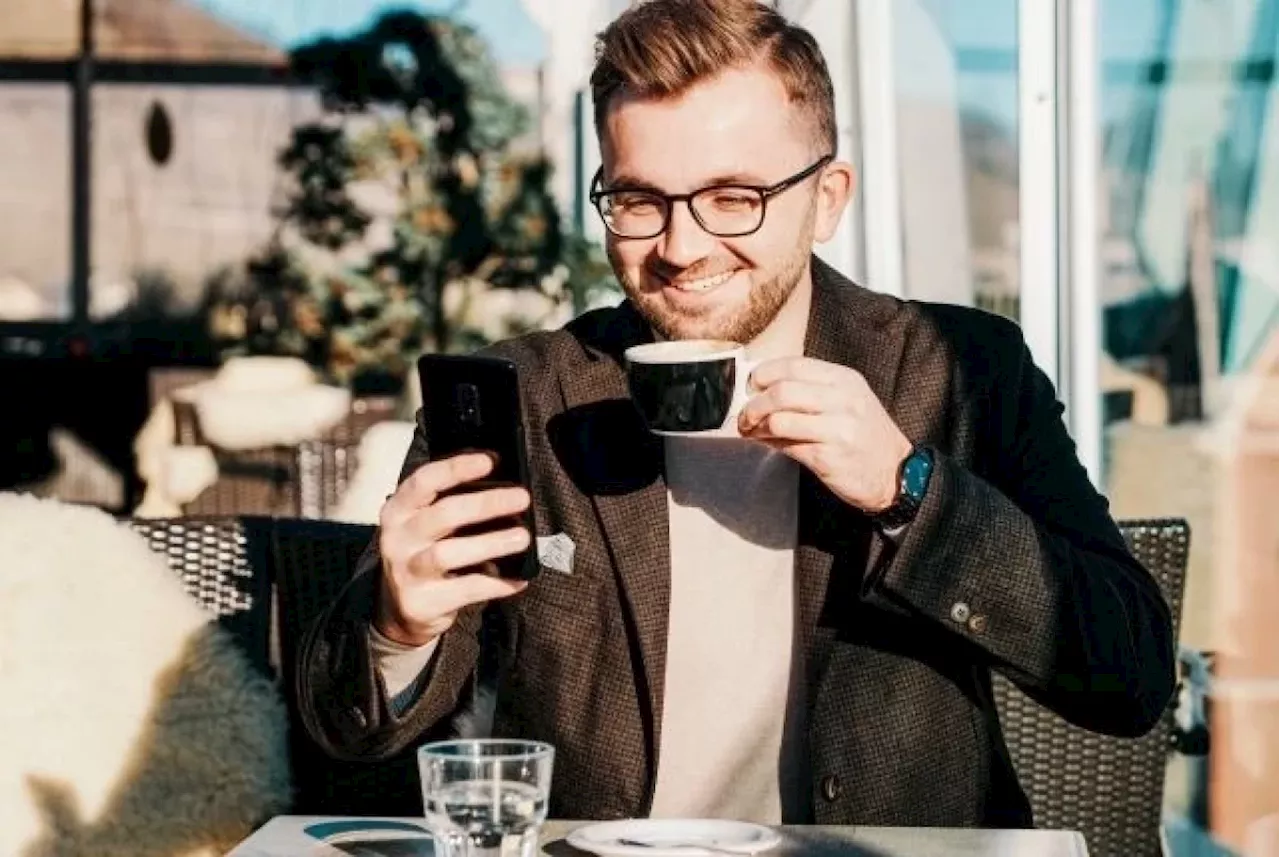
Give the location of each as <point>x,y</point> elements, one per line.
<point>472,403</point>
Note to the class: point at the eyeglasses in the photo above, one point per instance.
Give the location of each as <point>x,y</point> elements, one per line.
<point>724,210</point>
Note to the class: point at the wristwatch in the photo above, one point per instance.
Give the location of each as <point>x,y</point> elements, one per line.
<point>913,481</point>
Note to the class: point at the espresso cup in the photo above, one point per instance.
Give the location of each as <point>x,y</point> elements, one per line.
<point>688,386</point>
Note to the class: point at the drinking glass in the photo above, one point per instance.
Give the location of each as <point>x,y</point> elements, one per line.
<point>486,797</point>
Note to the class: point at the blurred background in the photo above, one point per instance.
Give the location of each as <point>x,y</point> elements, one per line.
<point>341,185</point>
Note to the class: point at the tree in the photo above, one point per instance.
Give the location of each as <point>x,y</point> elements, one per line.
<point>406,186</point>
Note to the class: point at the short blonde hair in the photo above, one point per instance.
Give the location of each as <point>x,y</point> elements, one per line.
<point>659,48</point>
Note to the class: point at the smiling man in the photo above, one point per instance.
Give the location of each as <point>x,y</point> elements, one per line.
<point>797,618</point>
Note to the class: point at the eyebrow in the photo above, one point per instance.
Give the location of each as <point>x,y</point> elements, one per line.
<point>626,182</point>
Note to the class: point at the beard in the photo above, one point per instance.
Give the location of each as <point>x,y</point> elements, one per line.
<point>741,323</point>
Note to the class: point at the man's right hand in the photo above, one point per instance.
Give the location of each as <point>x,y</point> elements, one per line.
<point>428,572</point>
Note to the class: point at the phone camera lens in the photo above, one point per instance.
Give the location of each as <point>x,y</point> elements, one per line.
<point>468,403</point>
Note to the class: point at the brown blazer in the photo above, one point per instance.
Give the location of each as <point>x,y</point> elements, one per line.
<point>1013,564</point>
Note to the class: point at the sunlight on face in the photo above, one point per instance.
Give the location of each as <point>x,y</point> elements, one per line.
<point>737,127</point>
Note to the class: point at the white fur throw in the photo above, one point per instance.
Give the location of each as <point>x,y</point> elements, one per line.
<point>131,726</point>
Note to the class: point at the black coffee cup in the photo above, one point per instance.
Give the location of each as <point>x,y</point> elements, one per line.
<point>687,386</point>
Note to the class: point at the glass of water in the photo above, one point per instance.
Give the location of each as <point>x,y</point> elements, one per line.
<point>487,797</point>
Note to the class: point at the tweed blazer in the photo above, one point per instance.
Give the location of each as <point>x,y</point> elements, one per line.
<point>1012,564</point>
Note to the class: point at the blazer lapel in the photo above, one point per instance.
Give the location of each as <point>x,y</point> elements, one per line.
<point>625,482</point>
<point>848,326</point>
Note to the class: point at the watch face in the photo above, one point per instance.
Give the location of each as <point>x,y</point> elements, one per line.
<point>915,475</point>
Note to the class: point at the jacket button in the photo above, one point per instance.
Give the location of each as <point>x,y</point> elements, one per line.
<point>831,788</point>
<point>977,623</point>
<point>960,612</point>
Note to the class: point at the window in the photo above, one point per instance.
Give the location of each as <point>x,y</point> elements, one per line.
<point>159,134</point>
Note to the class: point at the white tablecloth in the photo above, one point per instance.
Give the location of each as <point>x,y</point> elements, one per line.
<point>317,836</point>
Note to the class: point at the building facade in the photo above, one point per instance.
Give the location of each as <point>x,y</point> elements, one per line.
<point>188,117</point>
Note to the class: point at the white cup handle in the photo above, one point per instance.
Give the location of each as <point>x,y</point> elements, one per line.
<point>741,386</point>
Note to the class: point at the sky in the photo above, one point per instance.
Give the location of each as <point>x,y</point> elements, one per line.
<point>1126,25</point>
<point>515,38</point>
<point>1127,32</point>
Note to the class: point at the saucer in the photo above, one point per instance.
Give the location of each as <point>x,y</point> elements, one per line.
<point>673,837</point>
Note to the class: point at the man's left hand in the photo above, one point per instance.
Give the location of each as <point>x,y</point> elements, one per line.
<point>826,417</point>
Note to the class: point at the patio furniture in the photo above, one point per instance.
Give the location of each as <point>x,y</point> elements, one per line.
<point>348,479</point>
<point>268,579</point>
<point>222,563</point>
<point>287,835</point>
<point>1109,788</point>
<point>266,481</point>
<point>133,725</point>
<point>264,579</point>
<point>324,469</point>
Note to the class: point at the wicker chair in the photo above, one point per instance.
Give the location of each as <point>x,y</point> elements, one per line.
<point>266,481</point>
<point>220,562</point>
<point>313,561</point>
<point>266,580</point>
<point>262,578</point>
<point>324,469</point>
<point>1110,789</point>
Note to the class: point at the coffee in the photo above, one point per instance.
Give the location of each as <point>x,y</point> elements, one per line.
<point>682,349</point>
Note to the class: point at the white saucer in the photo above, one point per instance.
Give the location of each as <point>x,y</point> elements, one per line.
<point>673,837</point>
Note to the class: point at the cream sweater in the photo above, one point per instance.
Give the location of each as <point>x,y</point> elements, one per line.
<point>731,743</point>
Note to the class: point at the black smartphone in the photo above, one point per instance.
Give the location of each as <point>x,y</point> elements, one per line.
<point>470,404</point>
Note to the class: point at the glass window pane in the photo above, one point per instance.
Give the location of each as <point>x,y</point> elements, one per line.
<point>1189,294</point>
<point>956,73</point>
<point>163,227</point>
<point>35,174</point>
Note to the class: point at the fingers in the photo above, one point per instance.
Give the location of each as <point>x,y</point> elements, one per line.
<point>786,395</point>
<point>423,610</point>
<point>814,456</point>
<point>432,565</point>
<point>426,526</point>
<point>455,593</point>
<point>460,511</point>
<point>805,369</point>
<point>426,483</point>
<point>790,426</point>
<point>442,558</point>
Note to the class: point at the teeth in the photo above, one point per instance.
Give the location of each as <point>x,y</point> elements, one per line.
<point>705,283</point>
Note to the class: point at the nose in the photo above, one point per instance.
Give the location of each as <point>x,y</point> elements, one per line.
<point>685,241</point>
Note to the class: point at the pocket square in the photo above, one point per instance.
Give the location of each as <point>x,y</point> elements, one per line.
<point>556,552</point>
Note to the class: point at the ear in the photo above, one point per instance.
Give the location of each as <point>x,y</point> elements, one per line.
<point>834,189</point>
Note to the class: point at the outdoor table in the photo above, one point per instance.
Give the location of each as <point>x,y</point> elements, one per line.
<point>333,836</point>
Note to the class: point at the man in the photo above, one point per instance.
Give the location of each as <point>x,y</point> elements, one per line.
<point>796,620</point>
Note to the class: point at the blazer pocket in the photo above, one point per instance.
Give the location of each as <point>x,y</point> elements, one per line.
<point>554,601</point>
<point>572,592</point>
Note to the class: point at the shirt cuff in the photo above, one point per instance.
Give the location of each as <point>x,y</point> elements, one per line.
<point>402,666</point>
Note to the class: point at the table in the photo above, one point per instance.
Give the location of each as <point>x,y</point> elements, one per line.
<point>299,835</point>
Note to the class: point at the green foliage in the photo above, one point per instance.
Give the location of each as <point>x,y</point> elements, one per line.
<point>407,187</point>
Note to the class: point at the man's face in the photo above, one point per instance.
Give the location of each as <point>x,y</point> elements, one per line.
<point>738,128</point>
